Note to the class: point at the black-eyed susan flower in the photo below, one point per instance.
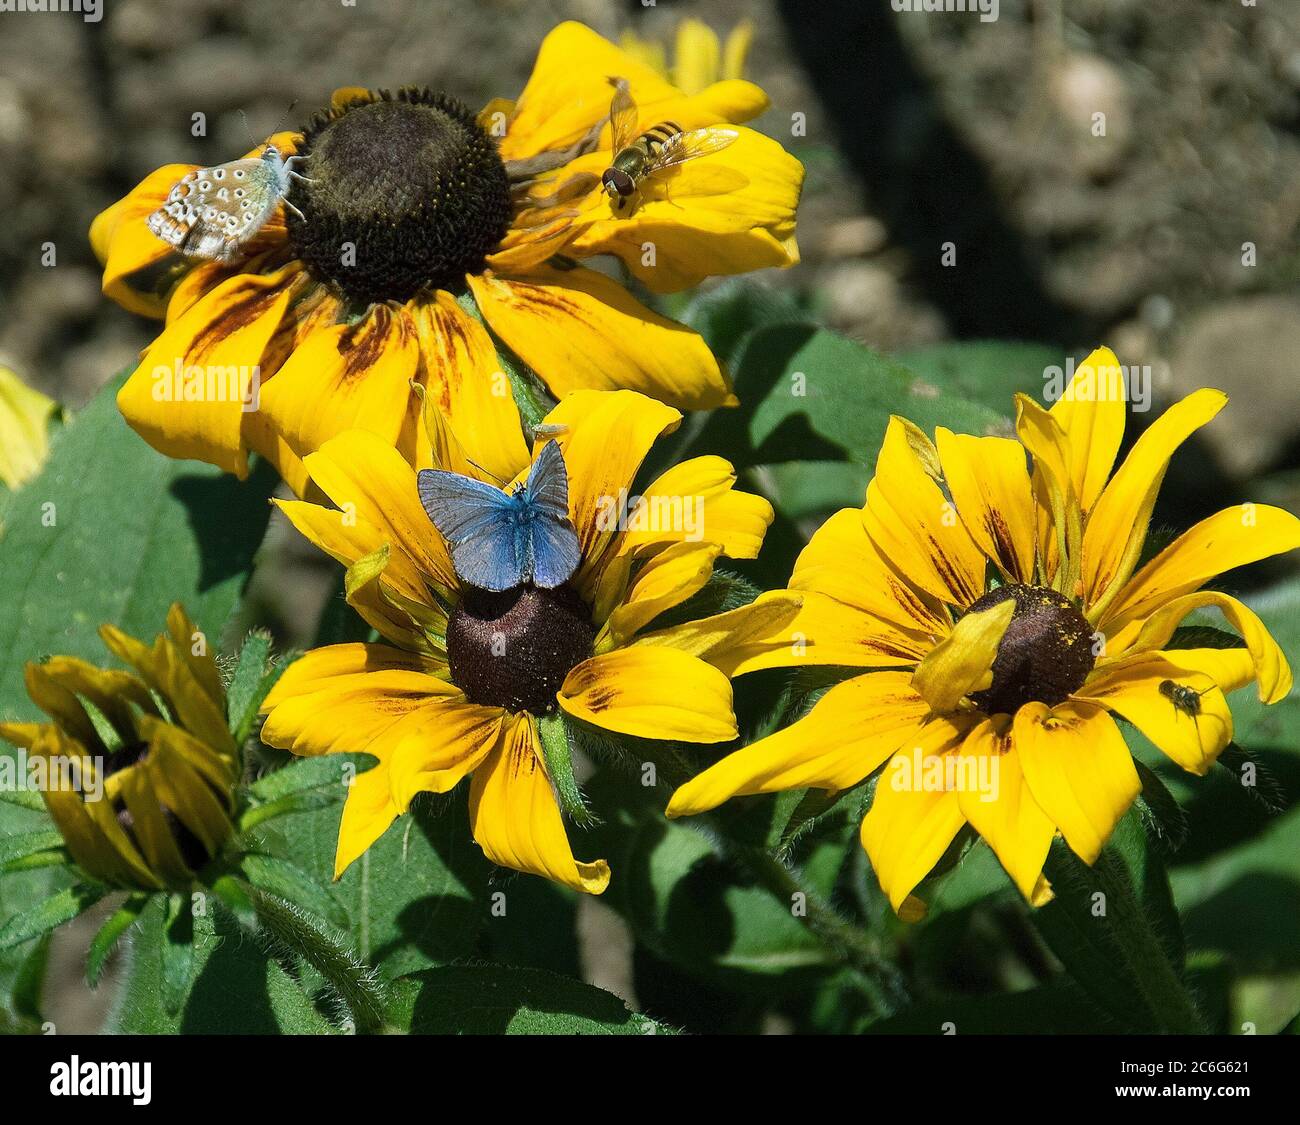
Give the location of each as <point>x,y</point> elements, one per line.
<point>700,56</point>
<point>139,765</point>
<point>1010,624</point>
<point>25,416</point>
<point>466,681</point>
<point>421,236</point>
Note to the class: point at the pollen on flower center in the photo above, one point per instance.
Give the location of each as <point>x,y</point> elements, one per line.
<point>403,192</point>
<point>1045,654</point>
<point>513,649</point>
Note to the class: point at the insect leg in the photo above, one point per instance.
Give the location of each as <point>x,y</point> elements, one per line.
<point>294,209</point>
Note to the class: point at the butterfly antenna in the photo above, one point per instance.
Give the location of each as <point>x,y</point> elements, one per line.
<point>488,472</point>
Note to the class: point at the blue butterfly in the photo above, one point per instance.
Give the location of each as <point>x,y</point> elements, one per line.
<point>500,539</point>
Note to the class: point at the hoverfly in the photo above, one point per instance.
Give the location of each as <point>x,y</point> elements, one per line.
<point>659,148</point>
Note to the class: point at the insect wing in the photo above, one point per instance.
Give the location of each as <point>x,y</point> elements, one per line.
<point>622,117</point>
<point>681,147</point>
<point>480,524</point>
<point>552,543</point>
<point>211,212</point>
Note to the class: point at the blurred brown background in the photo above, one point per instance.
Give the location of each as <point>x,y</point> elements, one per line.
<point>921,129</point>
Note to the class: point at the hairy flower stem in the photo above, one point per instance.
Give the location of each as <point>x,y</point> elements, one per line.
<point>346,973</point>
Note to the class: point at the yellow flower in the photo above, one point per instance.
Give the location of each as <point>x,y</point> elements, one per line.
<point>24,429</point>
<point>428,234</point>
<point>1009,622</point>
<point>139,765</point>
<point>700,58</point>
<point>465,676</point>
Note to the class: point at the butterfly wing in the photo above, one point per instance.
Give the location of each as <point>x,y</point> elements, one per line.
<point>552,544</point>
<point>211,212</point>
<point>479,523</point>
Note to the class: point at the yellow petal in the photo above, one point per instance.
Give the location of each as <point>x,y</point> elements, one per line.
<point>651,692</point>
<point>367,813</point>
<point>1006,814</point>
<point>963,661</point>
<point>435,747</point>
<point>367,478</point>
<point>24,429</point>
<point>348,376</point>
<point>989,484</point>
<point>1060,522</point>
<point>664,581</point>
<point>464,380</point>
<point>1229,539</point>
<point>579,329</point>
<point>914,525</point>
<point>123,242</point>
<point>1132,687</point>
<point>197,382</point>
<point>1230,668</point>
<point>850,731</point>
<point>912,821</point>
<point>753,636</point>
<point>696,501</point>
<point>1078,769</point>
<point>841,562</point>
<point>736,49</point>
<point>697,56</point>
<point>1117,526</point>
<point>1271,668</point>
<point>515,819</point>
<point>1091,412</point>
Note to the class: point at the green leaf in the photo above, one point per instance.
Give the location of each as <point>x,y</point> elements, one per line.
<point>113,532</point>
<point>248,686</point>
<point>292,883</point>
<point>236,986</point>
<point>1055,1009</point>
<point>985,371</point>
<point>53,912</point>
<point>177,952</point>
<point>507,1000</point>
<point>1114,928</point>
<point>303,774</point>
<point>26,843</point>
<point>105,941</point>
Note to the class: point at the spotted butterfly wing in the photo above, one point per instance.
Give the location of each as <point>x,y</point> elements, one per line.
<point>211,213</point>
<point>499,540</point>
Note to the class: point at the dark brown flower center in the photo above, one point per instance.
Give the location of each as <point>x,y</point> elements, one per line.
<point>190,846</point>
<point>514,649</point>
<point>403,193</point>
<point>1045,654</point>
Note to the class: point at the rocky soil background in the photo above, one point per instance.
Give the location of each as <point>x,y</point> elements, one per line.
<point>921,128</point>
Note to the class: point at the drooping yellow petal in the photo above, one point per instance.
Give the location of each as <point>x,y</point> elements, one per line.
<point>1091,412</point>
<point>1230,668</point>
<point>914,525</point>
<point>736,49</point>
<point>697,56</point>
<point>651,692</point>
<point>914,815</point>
<point>25,416</point>
<point>1005,812</point>
<point>1117,526</point>
<point>579,329</point>
<point>348,376</point>
<point>1229,539</point>
<point>1078,769</point>
<point>963,661</point>
<point>989,484</point>
<point>367,813</point>
<point>696,501</point>
<point>1143,689</point>
<point>514,816</point>
<point>435,747</point>
<point>1271,668</point>
<point>850,731</point>
<point>665,581</point>
<point>464,380</point>
<point>200,378</point>
<point>368,479</point>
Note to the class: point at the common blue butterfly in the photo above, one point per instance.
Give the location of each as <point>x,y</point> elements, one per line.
<point>212,212</point>
<point>501,539</point>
